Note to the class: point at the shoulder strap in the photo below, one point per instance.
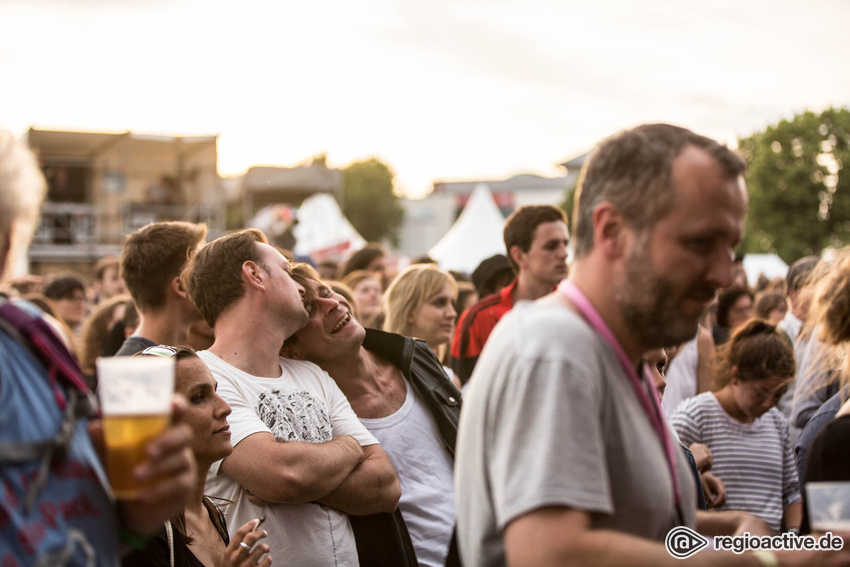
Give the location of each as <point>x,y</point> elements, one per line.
<point>34,333</point>
<point>38,335</point>
<point>169,534</point>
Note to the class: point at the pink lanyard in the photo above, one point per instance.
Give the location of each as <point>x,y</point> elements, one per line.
<point>651,405</point>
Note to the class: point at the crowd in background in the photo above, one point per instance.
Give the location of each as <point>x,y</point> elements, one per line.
<point>751,399</point>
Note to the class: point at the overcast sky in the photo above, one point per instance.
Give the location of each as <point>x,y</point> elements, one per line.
<point>438,89</point>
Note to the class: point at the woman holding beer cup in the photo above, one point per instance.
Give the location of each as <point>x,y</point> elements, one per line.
<point>198,536</point>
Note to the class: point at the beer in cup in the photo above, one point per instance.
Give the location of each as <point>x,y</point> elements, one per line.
<point>135,398</point>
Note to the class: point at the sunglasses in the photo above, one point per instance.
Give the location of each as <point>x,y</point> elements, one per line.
<point>159,350</point>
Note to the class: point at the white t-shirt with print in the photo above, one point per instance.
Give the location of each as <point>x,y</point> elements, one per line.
<point>304,405</point>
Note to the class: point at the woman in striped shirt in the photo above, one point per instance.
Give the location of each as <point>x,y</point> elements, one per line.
<point>747,435</point>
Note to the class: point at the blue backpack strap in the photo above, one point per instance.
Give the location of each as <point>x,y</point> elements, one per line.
<point>37,335</point>
<point>45,344</point>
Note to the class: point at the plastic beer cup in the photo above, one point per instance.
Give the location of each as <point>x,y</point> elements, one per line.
<point>135,397</point>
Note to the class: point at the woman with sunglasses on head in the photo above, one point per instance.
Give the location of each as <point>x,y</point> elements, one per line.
<point>198,536</point>
<point>747,436</point>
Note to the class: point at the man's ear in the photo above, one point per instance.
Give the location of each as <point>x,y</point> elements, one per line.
<point>517,255</point>
<point>253,274</point>
<point>609,230</point>
<point>291,351</point>
<point>178,289</point>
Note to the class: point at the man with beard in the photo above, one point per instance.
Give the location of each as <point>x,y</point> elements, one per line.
<point>564,457</point>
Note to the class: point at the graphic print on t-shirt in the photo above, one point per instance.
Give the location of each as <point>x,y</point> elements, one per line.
<point>295,416</point>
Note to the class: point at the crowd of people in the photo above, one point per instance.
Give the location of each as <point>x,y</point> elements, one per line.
<point>533,412</point>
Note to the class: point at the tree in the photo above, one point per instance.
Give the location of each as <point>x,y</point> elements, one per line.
<point>369,201</point>
<point>569,199</point>
<point>799,198</point>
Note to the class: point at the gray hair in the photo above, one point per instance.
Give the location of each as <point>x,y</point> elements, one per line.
<point>632,170</point>
<point>22,190</point>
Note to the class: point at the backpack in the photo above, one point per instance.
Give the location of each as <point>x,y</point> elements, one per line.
<point>39,337</point>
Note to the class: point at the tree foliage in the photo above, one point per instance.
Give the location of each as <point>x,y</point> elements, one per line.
<point>369,201</point>
<point>799,192</point>
<point>569,199</point>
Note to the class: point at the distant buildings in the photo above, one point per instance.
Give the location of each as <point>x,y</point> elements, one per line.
<point>427,220</point>
<point>267,185</point>
<point>102,186</point>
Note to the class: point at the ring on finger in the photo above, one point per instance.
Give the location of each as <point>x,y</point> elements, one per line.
<point>245,546</point>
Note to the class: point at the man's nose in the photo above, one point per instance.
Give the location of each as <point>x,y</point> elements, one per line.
<point>720,268</point>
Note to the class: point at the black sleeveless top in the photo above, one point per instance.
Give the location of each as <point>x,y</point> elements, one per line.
<point>156,552</point>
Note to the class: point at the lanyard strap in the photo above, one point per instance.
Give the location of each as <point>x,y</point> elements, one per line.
<point>651,404</point>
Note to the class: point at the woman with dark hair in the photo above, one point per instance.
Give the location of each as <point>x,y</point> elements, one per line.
<point>198,537</point>
<point>734,307</point>
<point>371,258</point>
<point>747,436</point>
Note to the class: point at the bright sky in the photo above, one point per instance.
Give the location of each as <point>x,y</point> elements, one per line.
<point>438,89</point>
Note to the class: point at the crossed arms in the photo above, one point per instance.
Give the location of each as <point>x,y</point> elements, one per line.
<point>340,473</point>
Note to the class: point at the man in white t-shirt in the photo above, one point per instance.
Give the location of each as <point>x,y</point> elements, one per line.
<point>398,389</point>
<point>301,458</point>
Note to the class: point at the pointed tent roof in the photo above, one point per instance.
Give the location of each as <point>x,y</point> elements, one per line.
<point>771,265</point>
<point>323,231</point>
<point>475,235</point>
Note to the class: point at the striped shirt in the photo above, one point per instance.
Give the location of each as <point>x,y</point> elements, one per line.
<point>755,459</point>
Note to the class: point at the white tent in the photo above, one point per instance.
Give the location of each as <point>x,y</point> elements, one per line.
<point>323,231</point>
<point>475,236</point>
<point>771,265</point>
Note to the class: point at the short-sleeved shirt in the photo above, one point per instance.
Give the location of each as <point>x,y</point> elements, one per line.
<point>551,419</point>
<point>754,460</point>
<point>134,344</point>
<point>305,405</point>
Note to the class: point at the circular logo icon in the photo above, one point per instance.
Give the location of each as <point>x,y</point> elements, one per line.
<point>682,542</point>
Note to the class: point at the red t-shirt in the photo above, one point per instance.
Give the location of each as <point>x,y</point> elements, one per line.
<point>474,328</point>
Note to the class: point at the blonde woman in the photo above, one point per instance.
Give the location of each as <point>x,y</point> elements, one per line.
<point>419,303</point>
<point>823,442</point>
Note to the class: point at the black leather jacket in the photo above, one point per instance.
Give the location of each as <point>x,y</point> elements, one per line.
<point>382,539</point>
